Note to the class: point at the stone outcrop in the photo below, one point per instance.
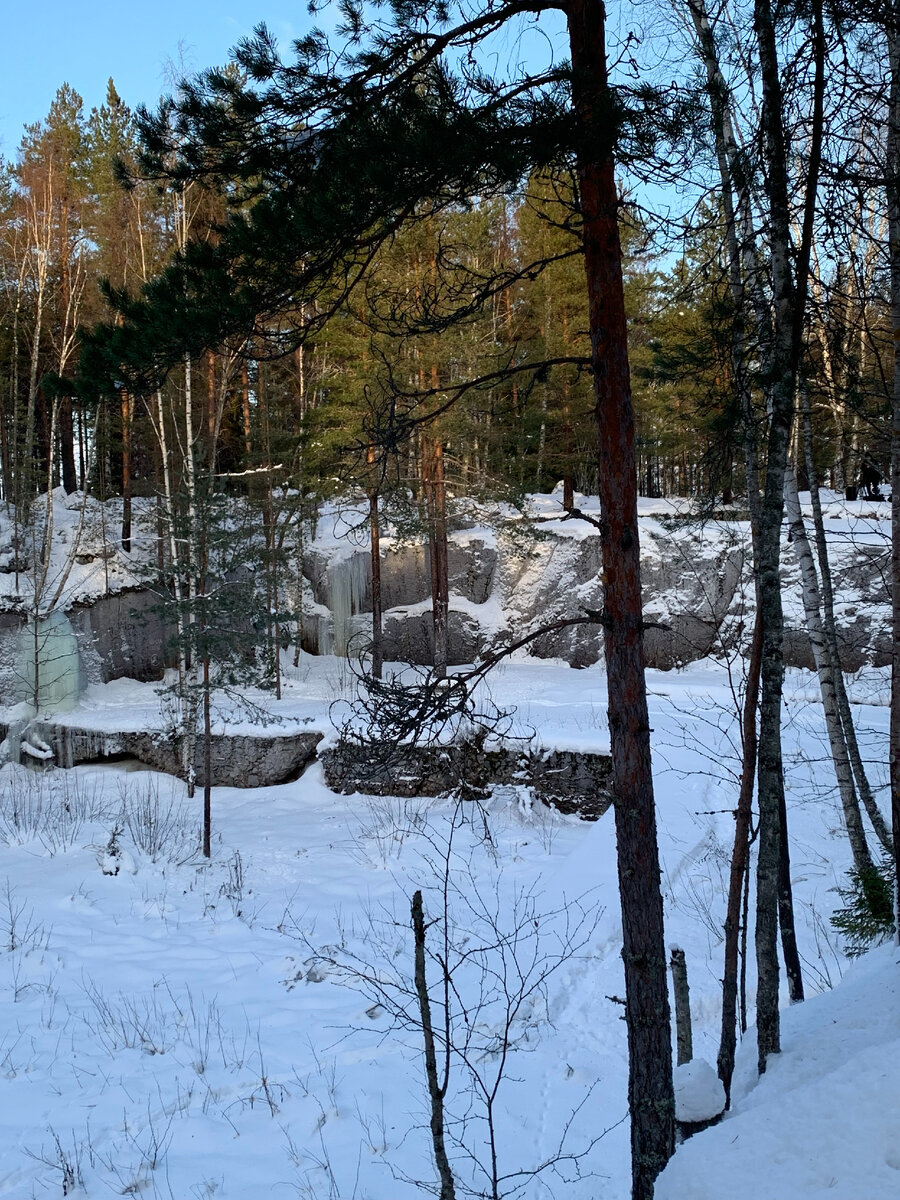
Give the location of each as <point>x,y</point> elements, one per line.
<point>570,781</point>
<point>237,760</point>
<point>500,588</point>
<point>122,636</point>
<point>862,605</point>
<point>697,590</point>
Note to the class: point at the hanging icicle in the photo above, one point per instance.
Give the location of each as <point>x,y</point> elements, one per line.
<point>347,582</point>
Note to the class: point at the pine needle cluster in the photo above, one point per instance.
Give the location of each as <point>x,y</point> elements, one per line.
<point>867,917</point>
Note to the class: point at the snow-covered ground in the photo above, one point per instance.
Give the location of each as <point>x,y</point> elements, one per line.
<point>822,1122</point>
<point>236,1029</point>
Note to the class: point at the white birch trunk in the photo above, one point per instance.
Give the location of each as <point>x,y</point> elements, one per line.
<point>825,668</point>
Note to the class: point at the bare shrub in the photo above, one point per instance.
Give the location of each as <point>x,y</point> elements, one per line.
<point>385,824</point>
<point>51,808</point>
<point>18,928</point>
<point>126,1022</point>
<point>66,1160</point>
<point>468,976</point>
<point>160,826</point>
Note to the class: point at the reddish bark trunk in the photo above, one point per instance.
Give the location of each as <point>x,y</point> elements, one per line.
<point>211,405</point>
<point>650,1091</point>
<point>375,554</point>
<point>127,421</point>
<point>893,196</point>
<point>436,503</point>
<point>245,405</point>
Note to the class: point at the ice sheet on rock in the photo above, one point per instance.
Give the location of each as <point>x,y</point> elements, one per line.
<point>48,665</point>
<point>347,581</point>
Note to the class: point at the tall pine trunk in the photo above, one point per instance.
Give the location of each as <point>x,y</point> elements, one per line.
<point>189,700</point>
<point>68,471</point>
<point>127,424</point>
<point>436,509</point>
<point>650,1089</point>
<point>893,176</point>
<point>375,558</point>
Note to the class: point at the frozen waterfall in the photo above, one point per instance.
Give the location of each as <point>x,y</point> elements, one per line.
<point>347,580</point>
<point>48,669</point>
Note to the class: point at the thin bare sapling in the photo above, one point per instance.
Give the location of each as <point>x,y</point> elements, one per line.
<point>467,974</point>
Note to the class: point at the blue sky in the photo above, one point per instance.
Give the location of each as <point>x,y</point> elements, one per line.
<point>83,43</point>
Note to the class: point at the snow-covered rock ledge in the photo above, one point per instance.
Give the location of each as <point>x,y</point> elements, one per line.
<point>242,760</point>
<point>571,781</point>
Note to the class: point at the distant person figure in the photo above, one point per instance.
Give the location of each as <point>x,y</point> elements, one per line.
<point>869,479</point>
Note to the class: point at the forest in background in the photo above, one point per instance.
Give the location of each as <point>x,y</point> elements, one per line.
<point>70,231</point>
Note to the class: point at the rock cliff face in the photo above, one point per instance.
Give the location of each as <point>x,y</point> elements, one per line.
<point>698,598</point>
<point>121,636</point>
<point>697,583</point>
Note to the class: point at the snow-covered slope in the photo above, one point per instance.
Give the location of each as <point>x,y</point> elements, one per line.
<point>823,1123</point>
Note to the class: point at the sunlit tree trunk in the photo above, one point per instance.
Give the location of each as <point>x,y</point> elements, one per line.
<point>375,554</point>
<point>650,1088</point>
<point>893,196</point>
<point>436,509</point>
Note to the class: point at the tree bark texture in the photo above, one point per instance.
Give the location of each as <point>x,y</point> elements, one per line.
<point>68,469</point>
<point>893,197</point>
<point>650,1089</point>
<point>789,949</point>
<point>826,669</point>
<point>207,761</point>
<point>684,1039</point>
<point>127,425</point>
<point>436,508</point>
<point>375,555</point>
